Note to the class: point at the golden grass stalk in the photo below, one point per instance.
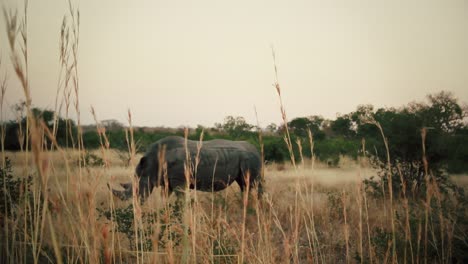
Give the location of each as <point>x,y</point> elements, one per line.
<point>287,137</point>
<point>299,146</point>
<point>75,39</point>
<point>3,88</point>
<point>105,148</point>
<point>244,213</point>
<point>64,74</point>
<point>428,191</point>
<point>129,136</point>
<point>103,140</point>
<point>390,188</point>
<point>442,223</point>
<point>187,212</point>
<point>194,212</point>
<point>345,226</point>
<point>315,241</point>
<point>58,255</point>
<point>407,219</point>
<point>311,143</point>
<point>359,195</point>
<point>19,60</point>
<point>366,205</point>
<point>137,210</point>
<point>284,236</point>
<point>262,149</point>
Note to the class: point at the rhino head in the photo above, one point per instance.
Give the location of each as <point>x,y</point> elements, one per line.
<point>145,177</point>
<point>125,194</point>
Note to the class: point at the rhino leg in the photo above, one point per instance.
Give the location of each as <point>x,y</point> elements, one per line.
<point>247,175</point>
<point>254,181</point>
<point>259,185</point>
<point>241,181</point>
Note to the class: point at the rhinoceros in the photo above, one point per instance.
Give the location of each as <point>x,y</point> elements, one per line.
<point>220,163</point>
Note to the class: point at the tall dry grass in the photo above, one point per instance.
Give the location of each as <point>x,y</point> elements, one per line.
<point>309,213</point>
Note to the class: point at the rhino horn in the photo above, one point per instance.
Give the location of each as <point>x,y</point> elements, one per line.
<point>122,195</point>
<point>126,186</point>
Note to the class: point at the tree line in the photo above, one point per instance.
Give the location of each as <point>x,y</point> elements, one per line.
<point>441,116</point>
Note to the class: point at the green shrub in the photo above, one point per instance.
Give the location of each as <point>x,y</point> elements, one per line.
<point>93,160</point>
<point>12,190</point>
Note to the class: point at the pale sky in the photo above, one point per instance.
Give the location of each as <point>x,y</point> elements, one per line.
<point>182,63</point>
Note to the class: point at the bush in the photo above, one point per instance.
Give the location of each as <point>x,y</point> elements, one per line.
<point>332,149</point>
<point>12,191</point>
<point>414,178</point>
<point>93,160</point>
<point>275,149</point>
<point>125,219</point>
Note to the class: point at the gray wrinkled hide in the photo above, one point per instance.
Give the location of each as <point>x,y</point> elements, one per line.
<point>221,163</point>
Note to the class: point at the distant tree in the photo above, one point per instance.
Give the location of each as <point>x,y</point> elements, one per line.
<point>299,126</point>
<point>272,127</point>
<point>363,112</point>
<point>360,118</point>
<point>457,158</point>
<point>343,126</point>
<point>66,129</point>
<point>443,112</point>
<point>16,130</point>
<point>198,132</point>
<point>326,128</point>
<point>91,139</point>
<point>19,109</point>
<point>441,118</point>
<point>112,124</point>
<point>13,141</point>
<point>403,131</point>
<point>236,126</point>
<point>275,149</point>
<point>46,115</point>
<point>217,127</point>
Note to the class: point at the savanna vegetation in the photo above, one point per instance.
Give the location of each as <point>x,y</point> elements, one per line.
<point>392,199</point>
<point>442,116</point>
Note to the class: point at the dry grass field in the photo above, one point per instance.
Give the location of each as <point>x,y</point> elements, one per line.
<point>68,193</point>
<point>309,214</point>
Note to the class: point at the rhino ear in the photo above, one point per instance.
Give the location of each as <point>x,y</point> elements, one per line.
<point>142,161</point>
<point>140,166</point>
